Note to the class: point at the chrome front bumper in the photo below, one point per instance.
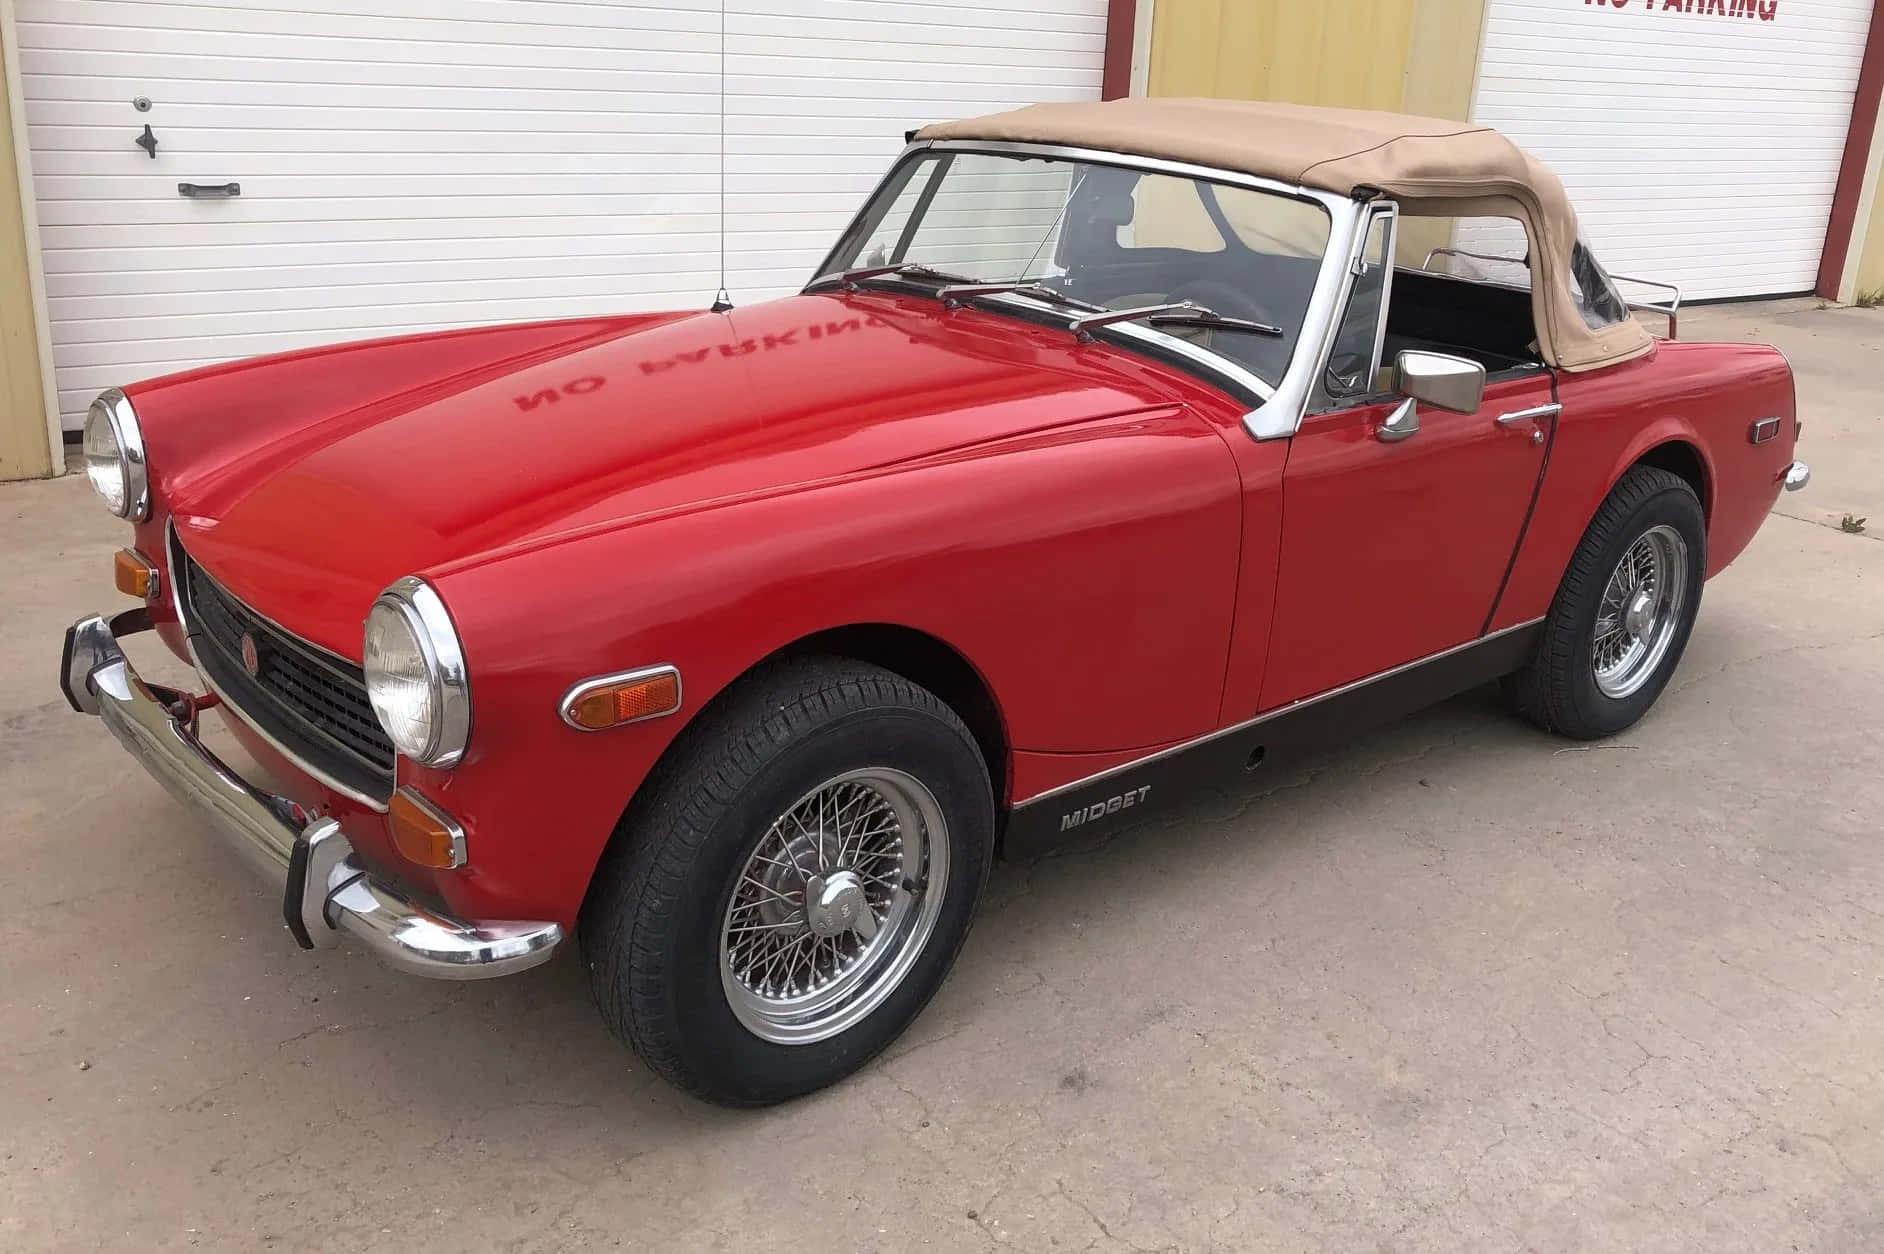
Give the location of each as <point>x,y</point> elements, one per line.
<point>325,889</point>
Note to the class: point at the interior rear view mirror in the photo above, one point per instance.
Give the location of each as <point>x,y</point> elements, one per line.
<point>1440,379</point>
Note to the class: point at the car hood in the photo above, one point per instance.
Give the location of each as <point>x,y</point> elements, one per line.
<point>611,422</point>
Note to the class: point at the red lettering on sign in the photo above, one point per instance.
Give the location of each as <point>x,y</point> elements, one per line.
<point>1765,10</point>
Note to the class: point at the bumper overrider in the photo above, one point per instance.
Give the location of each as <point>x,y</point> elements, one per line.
<point>325,889</point>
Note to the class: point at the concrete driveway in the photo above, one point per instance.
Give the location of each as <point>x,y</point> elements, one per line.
<point>1459,986</point>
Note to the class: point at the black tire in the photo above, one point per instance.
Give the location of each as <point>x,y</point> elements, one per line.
<point>1558,689</point>
<point>651,928</point>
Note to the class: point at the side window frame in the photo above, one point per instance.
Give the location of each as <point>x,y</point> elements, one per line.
<point>1325,398</point>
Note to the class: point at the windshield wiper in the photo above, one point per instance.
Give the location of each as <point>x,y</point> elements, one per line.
<point>849,279</point>
<point>1202,317</point>
<point>1183,313</point>
<point>956,293</point>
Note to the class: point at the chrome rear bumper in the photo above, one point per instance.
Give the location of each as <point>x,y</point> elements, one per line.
<point>325,889</point>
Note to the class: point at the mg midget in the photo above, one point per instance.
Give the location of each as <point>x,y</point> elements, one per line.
<point>1114,451</point>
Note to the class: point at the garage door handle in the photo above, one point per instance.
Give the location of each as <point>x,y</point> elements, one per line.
<point>201,190</point>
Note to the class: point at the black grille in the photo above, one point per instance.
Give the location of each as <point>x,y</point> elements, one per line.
<point>311,701</point>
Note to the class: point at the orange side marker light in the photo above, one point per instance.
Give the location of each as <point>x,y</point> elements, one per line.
<point>423,834</point>
<point>612,700</point>
<point>134,574</point>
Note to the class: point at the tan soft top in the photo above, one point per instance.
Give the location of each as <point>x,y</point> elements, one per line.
<point>1429,165</point>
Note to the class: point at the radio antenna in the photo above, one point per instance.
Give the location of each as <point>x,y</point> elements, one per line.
<point>721,301</point>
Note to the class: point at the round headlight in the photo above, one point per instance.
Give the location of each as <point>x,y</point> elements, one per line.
<point>415,674</point>
<point>114,456</point>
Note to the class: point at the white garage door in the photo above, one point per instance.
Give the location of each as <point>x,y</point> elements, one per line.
<point>414,164</point>
<point>1700,141</point>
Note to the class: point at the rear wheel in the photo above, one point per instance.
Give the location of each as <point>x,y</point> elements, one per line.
<point>794,885</point>
<point>1623,612</point>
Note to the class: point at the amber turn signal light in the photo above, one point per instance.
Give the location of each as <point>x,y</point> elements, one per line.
<point>423,834</point>
<point>612,700</point>
<point>134,574</point>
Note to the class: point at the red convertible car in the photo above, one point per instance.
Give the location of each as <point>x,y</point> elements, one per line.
<point>1114,451</point>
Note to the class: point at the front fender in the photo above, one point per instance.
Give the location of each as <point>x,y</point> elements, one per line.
<point>1088,573</point>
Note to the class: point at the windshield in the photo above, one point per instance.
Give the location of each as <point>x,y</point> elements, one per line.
<point>1106,236</point>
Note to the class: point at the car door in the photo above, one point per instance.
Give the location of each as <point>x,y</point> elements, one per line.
<point>1394,547</point>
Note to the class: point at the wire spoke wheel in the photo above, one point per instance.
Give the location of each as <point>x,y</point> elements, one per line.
<point>833,905</point>
<point>1639,614</point>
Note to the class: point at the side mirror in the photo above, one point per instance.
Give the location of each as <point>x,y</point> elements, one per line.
<point>1440,379</point>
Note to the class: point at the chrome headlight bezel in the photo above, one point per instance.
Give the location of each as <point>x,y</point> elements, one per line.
<point>411,604</point>
<point>113,414</point>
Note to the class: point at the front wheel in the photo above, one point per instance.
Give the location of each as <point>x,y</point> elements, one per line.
<point>795,884</point>
<point>1622,614</point>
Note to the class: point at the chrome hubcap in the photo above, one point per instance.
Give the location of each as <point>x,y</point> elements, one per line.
<point>1635,619</point>
<point>833,905</point>
<point>1640,612</point>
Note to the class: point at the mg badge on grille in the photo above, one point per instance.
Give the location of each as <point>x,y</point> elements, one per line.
<point>251,657</point>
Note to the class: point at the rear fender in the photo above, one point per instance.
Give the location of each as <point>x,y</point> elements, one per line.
<point>1664,430</point>
<point>1703,395</point>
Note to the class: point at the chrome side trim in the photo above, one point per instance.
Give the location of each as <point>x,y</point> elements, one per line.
<point>582,688</point>
<point>1291,708</point>
<point>176,554</point>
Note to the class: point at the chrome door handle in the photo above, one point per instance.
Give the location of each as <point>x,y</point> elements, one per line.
<point>1532,414</point>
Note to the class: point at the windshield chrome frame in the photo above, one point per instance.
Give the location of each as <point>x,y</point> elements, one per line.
<point>1282,405</point>
<point>1320,399</point>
